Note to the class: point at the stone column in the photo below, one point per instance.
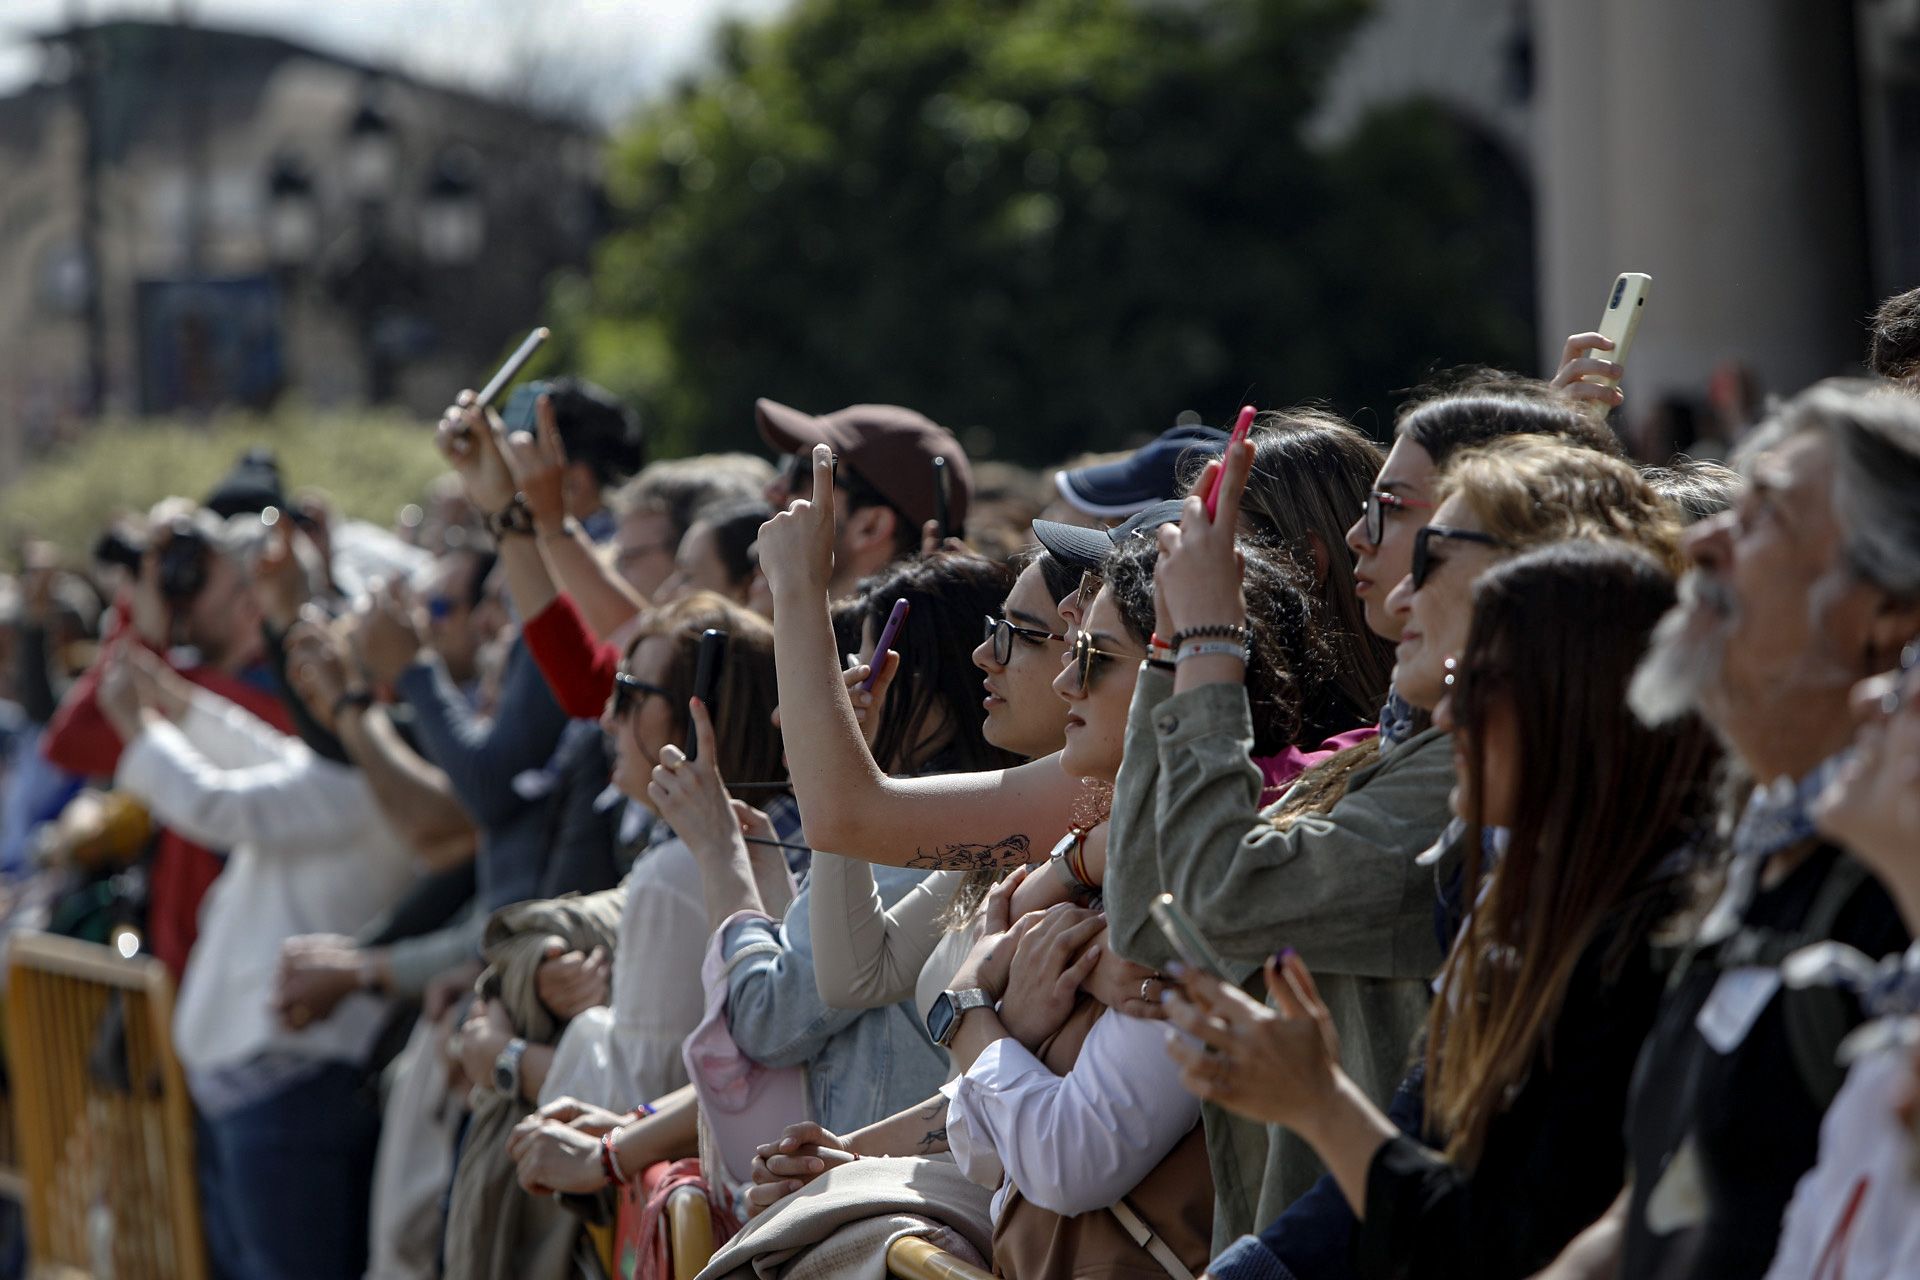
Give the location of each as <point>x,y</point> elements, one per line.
<point>1714,144</point>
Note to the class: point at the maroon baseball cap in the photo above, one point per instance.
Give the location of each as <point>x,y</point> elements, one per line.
<point>890,447</point>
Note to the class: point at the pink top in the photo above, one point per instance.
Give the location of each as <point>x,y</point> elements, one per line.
<point>1280,771</point>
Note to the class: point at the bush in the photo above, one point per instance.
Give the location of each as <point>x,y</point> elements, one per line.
<point>372,464</point>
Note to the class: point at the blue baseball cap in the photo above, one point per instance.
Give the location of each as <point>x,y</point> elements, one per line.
<point>1148,475</point>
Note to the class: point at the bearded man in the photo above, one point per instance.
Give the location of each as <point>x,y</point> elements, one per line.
<point>1809,584</point>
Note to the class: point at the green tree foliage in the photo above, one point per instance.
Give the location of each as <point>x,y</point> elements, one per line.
<point>1052,224</point>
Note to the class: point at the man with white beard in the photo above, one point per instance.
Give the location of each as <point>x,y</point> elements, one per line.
<point>1810,583</point>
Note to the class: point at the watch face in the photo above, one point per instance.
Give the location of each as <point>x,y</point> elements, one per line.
<point>940,1018</point>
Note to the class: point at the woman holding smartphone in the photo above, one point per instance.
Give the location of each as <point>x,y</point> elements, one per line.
<point>864,956</point>
<point>1331,867</point>
<point>1054,1107</point>
<point>1551,984</point>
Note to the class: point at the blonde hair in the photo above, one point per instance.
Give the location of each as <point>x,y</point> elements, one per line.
<point>1530,490</point>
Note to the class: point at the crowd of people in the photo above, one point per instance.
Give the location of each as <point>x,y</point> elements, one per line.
<point>1259,857</point>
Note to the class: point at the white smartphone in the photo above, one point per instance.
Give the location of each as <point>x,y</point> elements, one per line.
<point>1621,320</point>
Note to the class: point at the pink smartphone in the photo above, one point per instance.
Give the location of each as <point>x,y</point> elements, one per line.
<point>1240,429</point>
<point>894,620</point>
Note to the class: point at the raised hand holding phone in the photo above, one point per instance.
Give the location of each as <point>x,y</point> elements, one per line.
<point>1197,578</point>
<point>710,657</point>
<point>687,792</point>
<point>1241,426</point>
<point>468,437</point>
<point>538,464</point>
<point>1584,377</point>
<point>884,645</point>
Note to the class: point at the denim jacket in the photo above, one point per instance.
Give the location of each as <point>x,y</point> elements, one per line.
<point>862,1065</point>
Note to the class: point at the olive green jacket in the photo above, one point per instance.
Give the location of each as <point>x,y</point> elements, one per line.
<point>1342,889</point>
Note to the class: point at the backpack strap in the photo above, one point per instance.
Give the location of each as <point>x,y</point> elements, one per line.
<point>1819,1018</point>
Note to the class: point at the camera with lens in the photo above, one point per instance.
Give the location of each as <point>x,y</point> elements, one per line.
<point>184,552</point>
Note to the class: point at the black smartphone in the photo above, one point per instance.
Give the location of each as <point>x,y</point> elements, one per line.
<point>707,662</point>
<point>942,499</point>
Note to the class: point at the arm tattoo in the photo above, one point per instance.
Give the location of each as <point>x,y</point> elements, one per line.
<point>1009,851</point>
<point>933,1139</point>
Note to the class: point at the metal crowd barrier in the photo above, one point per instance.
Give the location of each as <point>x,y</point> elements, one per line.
<point>689,1232</point>
<point>912,1258</point>
<point>101,1114</point>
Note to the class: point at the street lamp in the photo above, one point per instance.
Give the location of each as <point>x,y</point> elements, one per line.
<point>293,215</point>
<point>452,219</point>
<point>372,155</point>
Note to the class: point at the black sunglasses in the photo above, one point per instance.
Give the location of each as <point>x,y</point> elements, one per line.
<point>1000,634</point>
<point>1423,564</point>
<point>1379,502</point>
<point>630,691</point>
<point>1088,660</point>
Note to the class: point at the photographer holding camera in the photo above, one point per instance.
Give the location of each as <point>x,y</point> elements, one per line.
<point>184,597</point>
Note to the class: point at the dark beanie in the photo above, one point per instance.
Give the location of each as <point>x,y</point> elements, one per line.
<point>251,486</point>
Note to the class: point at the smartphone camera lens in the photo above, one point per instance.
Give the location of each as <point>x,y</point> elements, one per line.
<point>1619,287</point>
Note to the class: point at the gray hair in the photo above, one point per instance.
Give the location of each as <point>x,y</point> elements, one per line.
<point>1697,487</point>
<point>1874,429</point>
<point>681,488</point>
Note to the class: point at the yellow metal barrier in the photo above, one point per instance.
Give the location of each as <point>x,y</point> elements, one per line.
<point>689,1232</point>
<point>100,1107</point>
<point>912,1258</point>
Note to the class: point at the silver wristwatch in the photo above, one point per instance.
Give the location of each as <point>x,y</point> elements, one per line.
<point>506,1067</point>
<point>943,1019</point>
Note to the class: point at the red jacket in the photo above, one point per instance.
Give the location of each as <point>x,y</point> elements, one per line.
<point>80,740</point>
<point>578,667</point>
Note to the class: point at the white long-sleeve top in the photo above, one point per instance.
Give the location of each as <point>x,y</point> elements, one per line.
<point>1071,1143</point>
<point>309,852</point>
<point>865,955</point>
<point>628,1051</point>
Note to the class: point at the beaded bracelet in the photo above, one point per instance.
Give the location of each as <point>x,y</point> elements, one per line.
<point>1211,649</point>
<point>609,1161</point>
<point>1235,631</point>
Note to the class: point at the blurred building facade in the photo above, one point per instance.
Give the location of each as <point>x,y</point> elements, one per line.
<point>265,216</point>
<point>195,219</point>
<point>1759,158</point>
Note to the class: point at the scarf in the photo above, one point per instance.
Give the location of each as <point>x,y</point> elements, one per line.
<point>1778,816</point>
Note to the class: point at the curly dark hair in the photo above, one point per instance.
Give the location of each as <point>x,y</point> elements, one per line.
<point>1291,671</point>
<point>1893,344</point>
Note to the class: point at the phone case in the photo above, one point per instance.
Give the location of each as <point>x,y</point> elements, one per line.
<point>1622,319</point>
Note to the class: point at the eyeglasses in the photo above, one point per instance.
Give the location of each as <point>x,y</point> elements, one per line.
<point>1000,634</point>
<point>1422,562</point>
<point>630,691</point>
<point>1087,660</point>
<point>1379,502</point>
